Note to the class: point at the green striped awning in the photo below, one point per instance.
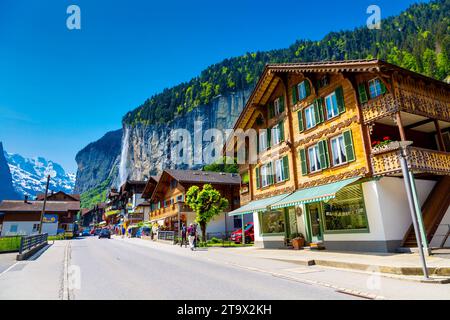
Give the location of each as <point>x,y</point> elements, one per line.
<point>257,205</point>
<point>314,194</point>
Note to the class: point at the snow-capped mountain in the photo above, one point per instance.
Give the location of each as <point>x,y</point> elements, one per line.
<point>29,175</point>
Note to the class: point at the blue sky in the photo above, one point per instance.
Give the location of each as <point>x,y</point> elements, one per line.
<point>61,89</point>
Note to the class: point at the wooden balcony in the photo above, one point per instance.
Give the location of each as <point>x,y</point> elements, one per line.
<point>387,162</point>
<point>410,102</point>
<point>169,211</point>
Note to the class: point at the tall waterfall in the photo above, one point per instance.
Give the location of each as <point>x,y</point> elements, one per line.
<point>123,167</point>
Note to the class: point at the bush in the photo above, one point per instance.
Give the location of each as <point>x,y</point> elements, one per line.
<point>214,240</point>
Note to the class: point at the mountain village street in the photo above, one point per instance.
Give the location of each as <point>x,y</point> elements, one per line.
<point>92,268</point>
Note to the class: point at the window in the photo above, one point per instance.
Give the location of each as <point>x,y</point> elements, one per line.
<point>346,211</point>
<point>303,90</point>
<point>332,106</point>
<point>262,140</point>
<point>277,106</point>
<point>266,175</point>
<point>310,117</point>
<point>13,228</point>
<point>276,134</point>
<point>237,222</point>
<point>173,184</point>
<point>314,158</point>
<point>338,150</point>
<point>180,198</point>
<point>272,222</point>
<point>282,169</point>
<point>375,88</point>
<point>35,227</point>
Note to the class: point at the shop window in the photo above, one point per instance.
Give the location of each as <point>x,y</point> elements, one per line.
<point>272,222</point>
<point>346,212</point>
<point>338,150</point>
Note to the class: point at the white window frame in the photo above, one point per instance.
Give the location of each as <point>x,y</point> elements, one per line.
<point>301,88</point>
<point>263,140</point>
<point>314,158</point>
<point>35,227</point>
<point>377,87</point>
<point>340,150</point>
<point>276,134</point>
<point>276,106</point>
<point>311,118</point>
<point>265,175</point>
<point>329,99</point>
<point>279,170</point>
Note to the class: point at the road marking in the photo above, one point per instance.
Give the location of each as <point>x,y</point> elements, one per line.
<point>9,268</point>
<point>65,283</point>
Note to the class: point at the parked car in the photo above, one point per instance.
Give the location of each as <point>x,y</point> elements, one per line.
<point>85,233</point>
<point>97,231</point>
<point>104,233</point>
<point>236,236</point>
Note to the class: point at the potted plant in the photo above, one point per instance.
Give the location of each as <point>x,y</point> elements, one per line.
<point>298,241</point>
<point>382,145</point>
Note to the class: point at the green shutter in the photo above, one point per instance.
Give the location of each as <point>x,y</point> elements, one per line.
<point>271,110</point>
<point>281,125</point>
<point>269,137</point>
<point>300,120</point>
<point>304,166</point>
<point>323,154</point>
<point>362,93</point>
<point>294,95</point>
<point>271,175</point>
<point>307,88</point>
<point>383,87</point>
<point>257,142</point>
<point>286,167</point>
<point>281,104</point>
<point>340,99</point>
<point>258,179</point>
<point>318,110</point>
<point>348,141</point>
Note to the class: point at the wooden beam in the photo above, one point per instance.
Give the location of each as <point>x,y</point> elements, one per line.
<point>401,129</point>
<point>418,124</point>
<point>439,136</point>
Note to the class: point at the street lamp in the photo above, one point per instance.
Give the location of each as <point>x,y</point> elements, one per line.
<point>43,206</point>
<point>402,146</point>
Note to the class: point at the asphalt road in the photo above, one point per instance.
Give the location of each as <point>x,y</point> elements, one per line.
<point>115,269</point>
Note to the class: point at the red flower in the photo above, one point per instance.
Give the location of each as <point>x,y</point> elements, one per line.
<point>386,138</point>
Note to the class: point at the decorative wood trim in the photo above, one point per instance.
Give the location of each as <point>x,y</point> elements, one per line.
<point>361,172</point>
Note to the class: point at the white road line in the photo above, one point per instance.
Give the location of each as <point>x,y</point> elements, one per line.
<point>65,283</point>
<point>5,271</point>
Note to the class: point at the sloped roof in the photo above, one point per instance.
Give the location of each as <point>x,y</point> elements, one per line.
<point>74,196</point>
<point>36,206</point>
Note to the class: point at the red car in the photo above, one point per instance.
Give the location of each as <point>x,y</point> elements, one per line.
<point>236,236</point>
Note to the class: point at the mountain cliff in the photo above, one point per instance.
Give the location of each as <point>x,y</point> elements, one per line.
<point>417,39</point>
<point>6,185</point>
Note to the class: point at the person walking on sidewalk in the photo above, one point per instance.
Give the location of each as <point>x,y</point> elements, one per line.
<point>183,236</point>
<point>191,235</point>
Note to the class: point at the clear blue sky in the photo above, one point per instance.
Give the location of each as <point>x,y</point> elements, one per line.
<point>61,89</point>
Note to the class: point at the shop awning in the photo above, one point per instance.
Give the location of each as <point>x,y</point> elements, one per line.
<point>257,205</point>
<point>314,194</point>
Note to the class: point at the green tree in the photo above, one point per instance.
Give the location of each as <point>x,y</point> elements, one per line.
<point>207,203</point>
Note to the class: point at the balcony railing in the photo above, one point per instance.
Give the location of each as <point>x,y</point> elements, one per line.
<point>411,102</point>
<point>387,162</point>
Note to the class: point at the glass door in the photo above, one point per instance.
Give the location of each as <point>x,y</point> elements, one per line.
<point>314,223</point>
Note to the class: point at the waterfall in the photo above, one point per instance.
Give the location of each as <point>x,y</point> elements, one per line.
<point>123,168</point>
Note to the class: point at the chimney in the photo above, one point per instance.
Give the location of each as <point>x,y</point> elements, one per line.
<point>25,200</point>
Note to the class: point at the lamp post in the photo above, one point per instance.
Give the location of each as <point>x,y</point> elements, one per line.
<point>43,206</point>
<point>402,146</point>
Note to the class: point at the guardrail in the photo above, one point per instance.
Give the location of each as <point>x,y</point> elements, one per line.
<point>166,235</point>
<point>29,242</point>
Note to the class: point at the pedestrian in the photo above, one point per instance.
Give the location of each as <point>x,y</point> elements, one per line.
<point>183,236</point>
<point>191,235</point>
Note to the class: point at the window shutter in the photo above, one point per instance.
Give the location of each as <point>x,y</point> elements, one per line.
<point>294,95</point>
<point>362,93</point>
<point>318,110</point>
<point>270,166</point>
<point>304,166</point>
<point>323,154</point>
<point>281,126</point>
<point>340,99</point>
<point>258,179</point>
<point>348,142</point>
<point>271,110</point>
<point>300,120</point>
<point>307,88</point>
<point>383,87</point>
<point>269,137</point>
<point>286,167</point>
<point>257,143</point>
<point>281,104</point>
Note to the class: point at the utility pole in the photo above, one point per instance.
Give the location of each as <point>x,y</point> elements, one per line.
<point>414,214</point>
<point>43,207</point>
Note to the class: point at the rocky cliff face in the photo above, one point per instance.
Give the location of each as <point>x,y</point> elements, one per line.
<point>147,149</point>
<point>98,161</point>
<point>6,184</point>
